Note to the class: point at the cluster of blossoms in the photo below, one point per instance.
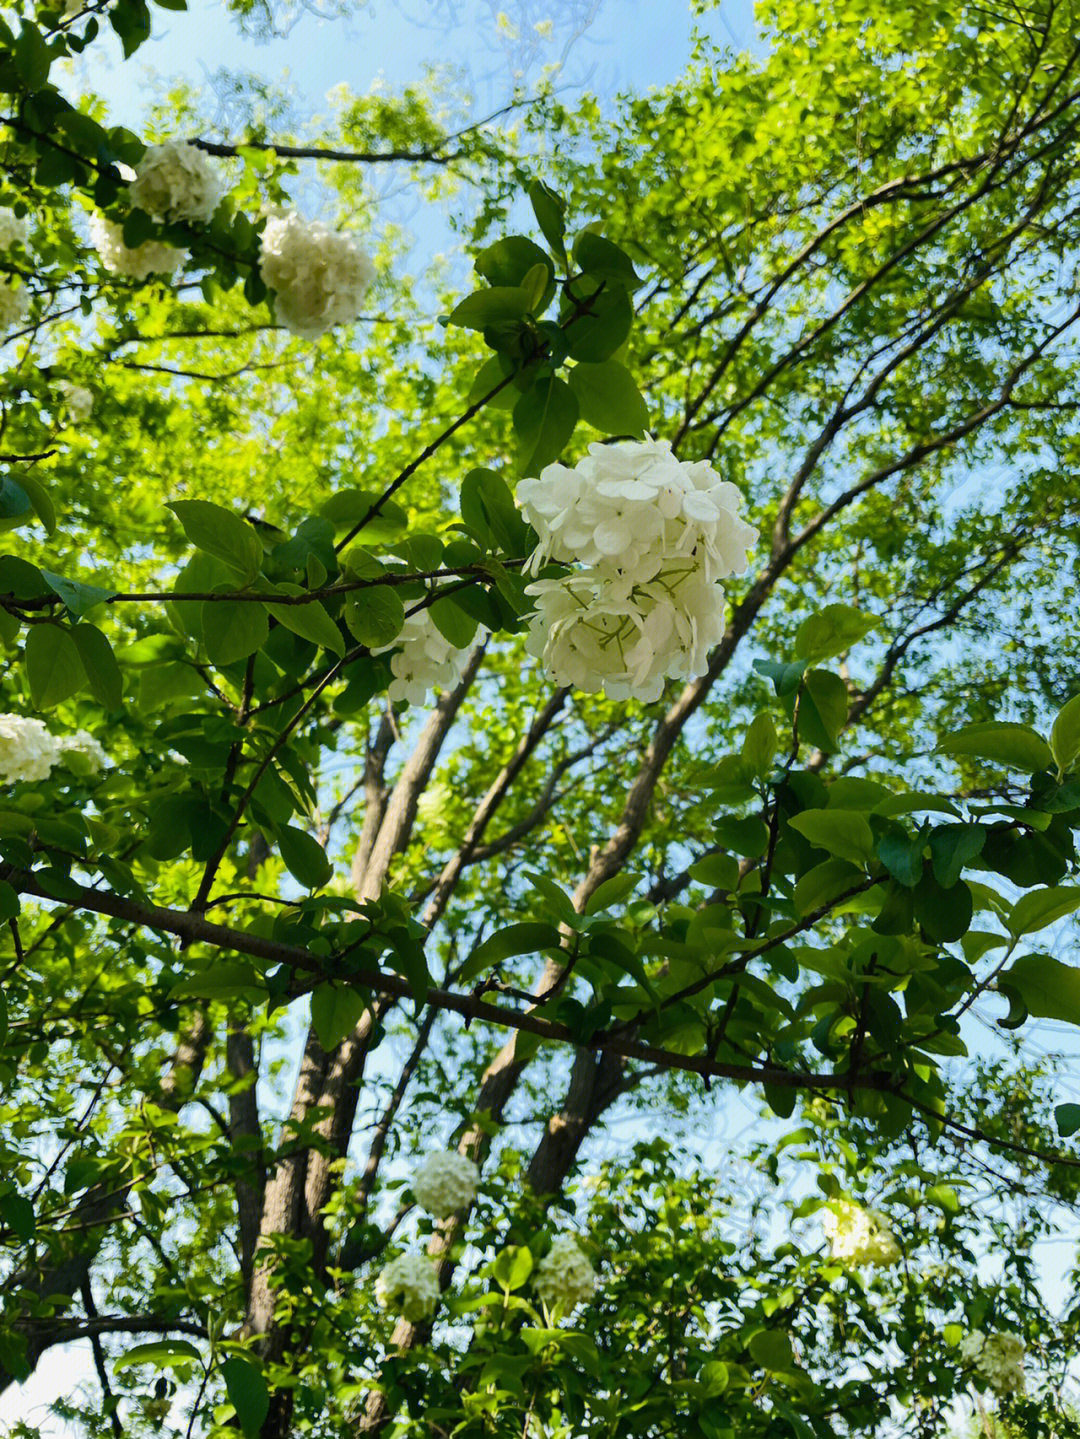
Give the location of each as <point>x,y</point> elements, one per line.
<point>859,1236</point>
<point>14,229</point>
<point>28,751</point>
<point>153,257</point>
<point>78,400</point>
<point>319,276</point>
<point>445,1183</point>
<point>653,536</point>
<point>424,660</point>
<point>997,1358</point>
<point>409,1286</point>
<point>564,1277</point>
<point>175,181</point>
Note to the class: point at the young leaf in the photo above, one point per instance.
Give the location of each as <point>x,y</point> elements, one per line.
<point>1041,907</point>
<point>1014,745</point>
<point>842,832</point>
<point>831,631</point>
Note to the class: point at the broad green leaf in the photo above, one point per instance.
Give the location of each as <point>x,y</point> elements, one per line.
<point>53,666</point>
<point>602,258</point>
<point>453,623</point>
<point>952,846</point>
<point>527,937</point>
<point>771,1348</point>
<point>248,1394</point>
<point>335,1012</point>
<point>102,672</point>
<point>1034,911</point>
<point>488,509</point>
<point>760,744</point>
<point>161,1353</point>
<point>233,629</point>
<point>348,508</point>
<point>496,305</point>
<point>1048,988</point>
<point>945,914</point>
<point>223,980</point>
<point>823,709</point>
<point>311,622</point>
<point>375,616</point>
<point>852,792</point>
<point>304,857</point>
<point>17,1214</point>
<point>1065,736</point>
<point>609,399</point>
<point>844,833</point>
<point>749,837</point>
<point>601,328</point>
<point>509,260</point>
<point>824,883</point>
<point>544,420</point>
<point>831,631</point>
<point>718,871</point>
<point>903,857</point>
<point>78,597</point>
<point>221,533</point>
<point>550,212</point>
<point>1067,1119</point>
<point>512,1267</point>
<point>1014,745</point>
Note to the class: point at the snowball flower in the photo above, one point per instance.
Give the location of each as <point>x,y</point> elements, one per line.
<point>27,750</point>
<point>319,276</point>
<point>14,304</point>
<point>150,258</point>
<point>77,399</point>
<point>445,1183</point>
<point>859,1236</point>
<point>176,181</point>
<point>14,229</point>
<point>409,1286</point>
<point>997,1358</point>
<point>564,1277</point>
<point>83,748</point>
<point>424,660</point>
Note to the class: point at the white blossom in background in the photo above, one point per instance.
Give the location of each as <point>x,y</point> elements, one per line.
<point>319,276</point>
<point>14,304</point>
<point>77,399</point>
<point>564,1277</point>
<point>27,750</point>
<point>445,1183</point>
<point>425,660</point>
<point>14,229</point>
<point>153,257</point>
<point>859,1236</point>
<point>654,536</point>
<point>83,749</point>
<point>176,181</point>
<point>409,1286</point>
<point>997,1358</point>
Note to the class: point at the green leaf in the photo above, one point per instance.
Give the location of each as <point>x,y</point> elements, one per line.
<point>824,883</point>
<point>945,914</point>
<point>509,260</point>
<point>1065,736</point>
<point>224,980</point>
<point>512,1267</point>
<point>102,672</point>
<point>897,912</point>
<point>375,616</point>
<point>161,1353</point>
<point>602,258</point>
<point>79,598</point>
<point>1048,988</point>
<point>310,621</point>
<point>771,1348</point>
<point>14,501</point>
<point>488,509</point>
<point>247,1393</point>
<point>32,57</point>
<point>53,666</point>
<point>348,508</point>
<point>497,305</point>
<point>550,212</point>
<point>21,579</point>
<point>760,744</point>
<point>831,631</point>
<point>304,857</point>
<point>717,871</point>
<point>749,837</point>
<point>335,1013</point>
<point>1041,907</point>
<point>527,937</point>
<point>544,420</point>
<point>609,399</point>
<point>1014,745</point>
<point>41,502</point>
<point>233,629</point>
<point>221,533</point>
<point>952,846</point>
<point>17,1214</point>
<point>844,833</point>
<point>1067,1119</point>
<point>823,709</point>
<point>601,329</point>
<point>902,856</point>
<point>456,626</point>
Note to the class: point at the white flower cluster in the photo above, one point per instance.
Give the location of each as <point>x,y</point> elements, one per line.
<point>14,303</point>
<point>654,536</point>
<point>564,1277</point>
<point>445,1183</point>
<point>28,751</point>
<point>14,229</point>
<point>153,257</point>
<point>409,1286</point>
<point>424,660</point>
<point>319,277</point>
<point>77,400</point>
<point>997,1358</point>
<point>175,181</point>
<point>859,1236</point>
